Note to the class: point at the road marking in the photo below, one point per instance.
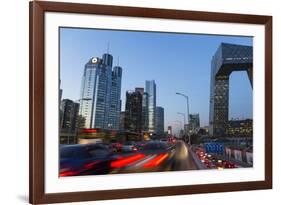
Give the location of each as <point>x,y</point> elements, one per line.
<point>144,160</point>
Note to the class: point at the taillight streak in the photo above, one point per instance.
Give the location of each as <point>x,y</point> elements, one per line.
<point>126,161</point>
<point>90,165</point>
<point>144,160</point>
<point>156,161</point>
<point>68,173</point>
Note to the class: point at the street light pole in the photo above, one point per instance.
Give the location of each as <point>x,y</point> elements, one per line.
<point>187,105</point>
<point>187,112</point>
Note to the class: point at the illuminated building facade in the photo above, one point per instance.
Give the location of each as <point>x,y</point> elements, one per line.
<point>100,93</point>
<point>228,58</point>
<point>240,128</point>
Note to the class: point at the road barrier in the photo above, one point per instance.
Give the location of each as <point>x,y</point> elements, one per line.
<point>195,158</point>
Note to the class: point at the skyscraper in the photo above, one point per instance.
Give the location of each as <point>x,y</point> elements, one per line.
<point>115,102</point>
<point>227,59</point>
<point>133,111</point>
<point>194,121</point>
<point>159,120</point>
<point>150,89</point>
<point>144,108</point>
<point>69,115</point>
<point>100,93</point>
<point>122,121</point>
<point>60,96</point>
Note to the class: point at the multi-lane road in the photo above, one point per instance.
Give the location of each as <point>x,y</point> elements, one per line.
<point>149,157</point>
<point>137,157</point>
<point>174,158</point>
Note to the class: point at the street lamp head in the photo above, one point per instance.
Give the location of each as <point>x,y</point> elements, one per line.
<point>177,93</point>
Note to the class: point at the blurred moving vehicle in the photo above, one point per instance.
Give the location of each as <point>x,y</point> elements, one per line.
<point>156,147</point>
<point>129,146</point>
<point>158,155</point>
<point>163,140</point>
<point>154,156</point>
<point>116,146</point>
<point>228,164</point>
<point>140,144</point>
<point>172,140</point>
<point>213,161</point>
<point>84,159</point>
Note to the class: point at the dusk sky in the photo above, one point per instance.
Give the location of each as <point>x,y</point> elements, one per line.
<point>177,63</point>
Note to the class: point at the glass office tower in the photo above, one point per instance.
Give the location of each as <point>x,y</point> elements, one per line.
<point>150,89</point>
<point>227,59</point>
<point>159,120</point>
<point>100,93</point>
<point>115,102</point>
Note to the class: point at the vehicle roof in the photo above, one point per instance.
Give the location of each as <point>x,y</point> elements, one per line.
<point>82,145</point>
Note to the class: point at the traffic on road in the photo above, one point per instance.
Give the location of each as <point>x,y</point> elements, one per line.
<point>213,161</point>
<point>129,157</point>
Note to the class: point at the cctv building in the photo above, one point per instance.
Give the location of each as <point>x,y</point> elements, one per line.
<point>228,58</point>
<point>100,93</point>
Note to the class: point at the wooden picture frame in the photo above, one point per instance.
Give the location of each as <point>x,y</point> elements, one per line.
<point>37,100</point>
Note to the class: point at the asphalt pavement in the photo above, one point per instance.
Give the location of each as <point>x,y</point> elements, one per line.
<point>177,159</point>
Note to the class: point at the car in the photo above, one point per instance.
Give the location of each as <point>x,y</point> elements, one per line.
<point>140,144</point>
<point>84,159</point>
<point>164,140</point>
<point>172,140</point>
<point>228,164</point>
<point>154,156</point>
<point>159,156</point>
<point>156,147</point>
<point>129,146</point>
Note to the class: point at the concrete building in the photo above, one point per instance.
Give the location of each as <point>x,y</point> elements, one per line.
<point>69,115</point>
<point>133,111</point>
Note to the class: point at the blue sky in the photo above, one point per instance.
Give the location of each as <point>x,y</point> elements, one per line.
<point>177,62</point>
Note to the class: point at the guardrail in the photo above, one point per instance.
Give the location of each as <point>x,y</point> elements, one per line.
<point>196,160</point>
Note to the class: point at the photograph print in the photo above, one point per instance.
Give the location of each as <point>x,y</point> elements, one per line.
<point>142,101</point>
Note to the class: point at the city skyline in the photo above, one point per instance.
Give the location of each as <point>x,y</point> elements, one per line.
<point>172,72</point>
